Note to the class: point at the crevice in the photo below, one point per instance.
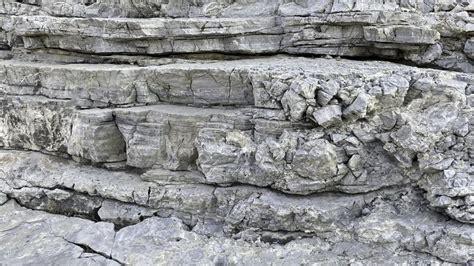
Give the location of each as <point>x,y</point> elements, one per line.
<point>148,196</point>
<point>7,199</point>
<point>233,56</point>
<point>53,206</point>
<point>88,249</point>
<point>57,154</point>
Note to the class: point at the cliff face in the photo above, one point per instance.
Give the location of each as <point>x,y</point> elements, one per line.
<point>232,132</point>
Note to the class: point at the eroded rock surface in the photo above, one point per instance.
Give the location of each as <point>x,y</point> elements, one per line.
<point>388,221</point>
<point>233,133</point>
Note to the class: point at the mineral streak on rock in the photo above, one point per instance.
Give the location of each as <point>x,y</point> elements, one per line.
<point>233,133</point>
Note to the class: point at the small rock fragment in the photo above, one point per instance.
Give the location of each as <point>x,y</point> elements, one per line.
<point>358,108</point>
<point>328,115</point>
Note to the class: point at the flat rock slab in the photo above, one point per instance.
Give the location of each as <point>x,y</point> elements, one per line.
<point>422,39</point>
<point>33,237</point>
<point>260,81</point>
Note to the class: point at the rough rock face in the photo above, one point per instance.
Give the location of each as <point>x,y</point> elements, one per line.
<point>232,133</point>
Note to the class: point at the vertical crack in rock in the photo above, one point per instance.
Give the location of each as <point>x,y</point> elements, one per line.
<point>88,249</point>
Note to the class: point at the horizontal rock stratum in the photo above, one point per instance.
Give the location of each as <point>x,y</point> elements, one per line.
<point>243,132</point>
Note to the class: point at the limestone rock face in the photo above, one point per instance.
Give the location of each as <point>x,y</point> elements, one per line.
<point>274,132</point>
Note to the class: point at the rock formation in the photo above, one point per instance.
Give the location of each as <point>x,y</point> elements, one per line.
<point>245,132</point>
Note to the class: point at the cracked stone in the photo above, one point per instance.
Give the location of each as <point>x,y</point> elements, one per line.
<point>317,160</point>
<point>273,132</point>
<point>328,115</point>
<point>358,108</point>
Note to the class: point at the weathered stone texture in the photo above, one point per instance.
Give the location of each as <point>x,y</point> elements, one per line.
<point>233,133</point>
<point>435,39</point>
<point>391,220</point>
<point>240,8</point>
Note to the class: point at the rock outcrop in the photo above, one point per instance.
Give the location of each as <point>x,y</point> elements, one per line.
<point>236,132</point>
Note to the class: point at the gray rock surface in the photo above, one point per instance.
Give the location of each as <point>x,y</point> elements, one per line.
<point>40,238</point>
<point>168,240</point>
<point>35,123</point>
<point>156,8</point>
<point>433,38</point>
<point>206,8</point>
<point>244,132</point>
<point>389,218</point>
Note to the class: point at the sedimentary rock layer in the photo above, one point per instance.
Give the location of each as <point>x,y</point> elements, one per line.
<point>210,8</point>
<point>388,224</point>
<point>260,82</point>
<point>438,39</point>
<point>350,127</point>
